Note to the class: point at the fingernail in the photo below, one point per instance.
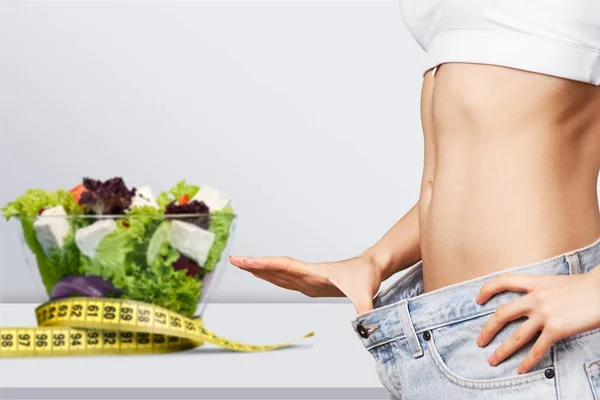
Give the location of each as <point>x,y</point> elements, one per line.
<point>236,260</point>
<point>492,360</point>
<point>478,341</point>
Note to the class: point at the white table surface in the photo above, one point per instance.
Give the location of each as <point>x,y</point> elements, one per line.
<point>333,363</point>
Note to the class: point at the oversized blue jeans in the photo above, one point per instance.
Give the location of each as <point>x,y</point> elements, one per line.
<point>424,343</point>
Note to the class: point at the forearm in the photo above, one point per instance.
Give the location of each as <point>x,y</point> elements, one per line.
<point>400,247</point>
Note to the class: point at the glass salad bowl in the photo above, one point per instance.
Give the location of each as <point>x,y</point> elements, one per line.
<point>174,261</point>
<point>105,239</point>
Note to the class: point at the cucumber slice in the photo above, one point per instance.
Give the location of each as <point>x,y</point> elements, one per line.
<point>160,236</point>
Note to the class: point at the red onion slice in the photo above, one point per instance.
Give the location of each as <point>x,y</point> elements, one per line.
<point>82,285</point>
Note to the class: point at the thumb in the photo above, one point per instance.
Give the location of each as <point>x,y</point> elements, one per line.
<point>360,296</point>
<point>363,305</point>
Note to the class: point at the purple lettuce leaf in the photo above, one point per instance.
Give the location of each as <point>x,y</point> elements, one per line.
<point>192,268</point>
<point>193,207</point>
<point>109,197</point>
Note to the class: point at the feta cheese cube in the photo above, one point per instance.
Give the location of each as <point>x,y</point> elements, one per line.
<point>51,228</point>
<point>214,199</point>
<point>88,238</point>
<point>143,197</point>
<point>191,240</point>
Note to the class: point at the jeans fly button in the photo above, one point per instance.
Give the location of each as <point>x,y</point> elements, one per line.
<point>362,331</point>
<point>427,336</point>
<point>549,373</point>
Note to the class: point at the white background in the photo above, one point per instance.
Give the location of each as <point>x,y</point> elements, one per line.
<point>306,112</point>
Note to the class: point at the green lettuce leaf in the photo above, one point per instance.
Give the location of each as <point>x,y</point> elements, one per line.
<point>162,285</point>
<point>181,188</point>
<point>150,217</point>
<point>111,260</point>
<point>220,224</point>
<point>161,235</point>
<point>30,203</point>
<point>66,261</point>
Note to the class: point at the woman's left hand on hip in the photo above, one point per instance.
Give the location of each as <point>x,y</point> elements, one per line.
<point>555,305</point>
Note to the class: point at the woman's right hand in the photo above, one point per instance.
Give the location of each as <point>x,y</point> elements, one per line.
<point>357,278</point>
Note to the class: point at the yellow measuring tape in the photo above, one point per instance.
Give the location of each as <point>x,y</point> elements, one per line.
<point>87,326</point>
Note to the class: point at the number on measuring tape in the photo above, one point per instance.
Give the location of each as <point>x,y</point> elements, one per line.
<point>144,315</point>
<point>77,340</point>
<point>161,318</point>
<point>93,338</point>
<point>41,340</point>
<point>93,311</point>
<point>110,339</point>
<point>25,340</point>
<point>7,340</point>
<point>126,313</point>
<point>190,326</point>
<point>109,312</point>
<point>63,310</point>
<point>41,316</point>
<point>77,310</point>
<point>143,338</point>
<point>51,313</point>
<point>59,339</point>
<point>175,321</point>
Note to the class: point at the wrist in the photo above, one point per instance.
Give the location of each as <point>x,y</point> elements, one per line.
<point>380,260</point>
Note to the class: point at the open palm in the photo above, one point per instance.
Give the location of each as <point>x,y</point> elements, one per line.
<point>356,278</point>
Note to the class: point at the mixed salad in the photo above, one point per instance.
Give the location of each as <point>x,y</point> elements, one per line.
<point>103,239</point>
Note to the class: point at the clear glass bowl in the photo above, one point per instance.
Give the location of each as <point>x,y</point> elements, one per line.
<point>175,261</point>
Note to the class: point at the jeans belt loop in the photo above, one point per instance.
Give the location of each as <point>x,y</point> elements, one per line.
<point>573,261</point>
<point>409,329</point>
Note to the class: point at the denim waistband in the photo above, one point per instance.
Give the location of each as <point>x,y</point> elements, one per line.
<point>403,310</point>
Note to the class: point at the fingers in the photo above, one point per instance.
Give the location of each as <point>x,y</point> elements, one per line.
<point>510,311</point>
<point>512,282</point>
<point>284,283</point>
<point>540,348</point>
<point>288,265</point>
<point>523,334</point>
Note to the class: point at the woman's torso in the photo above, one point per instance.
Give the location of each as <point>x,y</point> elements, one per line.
<point>510,169</point>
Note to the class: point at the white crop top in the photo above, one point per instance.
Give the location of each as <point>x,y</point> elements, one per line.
<point>553,37</point>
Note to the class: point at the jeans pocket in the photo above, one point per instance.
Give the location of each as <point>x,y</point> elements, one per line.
<point>592,370</point>
<point>461,361</point>
<point>486,383</point>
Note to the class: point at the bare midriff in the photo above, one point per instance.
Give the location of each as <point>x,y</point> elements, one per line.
<point>510,170</point>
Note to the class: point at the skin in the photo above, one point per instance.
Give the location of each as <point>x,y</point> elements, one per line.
<point>510,172</point>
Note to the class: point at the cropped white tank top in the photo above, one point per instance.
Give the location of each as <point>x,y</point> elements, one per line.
<point>553,37</point>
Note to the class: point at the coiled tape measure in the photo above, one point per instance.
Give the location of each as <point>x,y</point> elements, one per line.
<point>91,326</point>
